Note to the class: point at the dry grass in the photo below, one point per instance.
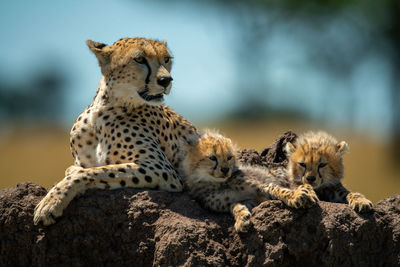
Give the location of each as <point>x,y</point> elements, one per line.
<point>35,156</point>
<point>42,156</point>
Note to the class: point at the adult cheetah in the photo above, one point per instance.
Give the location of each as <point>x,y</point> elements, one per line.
<point>125,137</point>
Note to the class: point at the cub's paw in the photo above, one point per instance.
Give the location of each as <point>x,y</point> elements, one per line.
<point>243,223</point>
<point>47,210</point>
<point>303,197</point>
<point>312,196</point>
<point>359,203</point>
<point>242,218</point>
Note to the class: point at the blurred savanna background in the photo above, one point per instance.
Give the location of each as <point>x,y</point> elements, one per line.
<point>252,69</point>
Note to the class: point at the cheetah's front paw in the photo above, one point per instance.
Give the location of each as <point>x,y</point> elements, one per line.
<point>243,223</point>
<point>303,197</point>
<point>242,218</point>
<point>359,203</point>
<point>47,210</point>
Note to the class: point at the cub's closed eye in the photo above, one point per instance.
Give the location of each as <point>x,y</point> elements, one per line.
<point>302,164</point>
<point>321,165</point>
<point>213,158</point>
<point>230,157</point>
<point>140,60</point>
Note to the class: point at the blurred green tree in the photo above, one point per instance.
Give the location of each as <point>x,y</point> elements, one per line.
<point>377,22</point>
<point>36,101</point>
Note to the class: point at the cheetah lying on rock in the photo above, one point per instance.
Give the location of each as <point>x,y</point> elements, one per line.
<point>219,183</point>
<point>314,171</point>
<point>125,137</point>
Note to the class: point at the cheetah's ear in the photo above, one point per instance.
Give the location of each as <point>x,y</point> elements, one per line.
<point>289,148</point>
<point>342,147</point>
<point>102,52</point>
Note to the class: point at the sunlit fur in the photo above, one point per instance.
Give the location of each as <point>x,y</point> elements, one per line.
<point>317,159</point>
<point>124,79</point>
<point>199,160</point>
<point>314,149</point>
<point>119,140</point>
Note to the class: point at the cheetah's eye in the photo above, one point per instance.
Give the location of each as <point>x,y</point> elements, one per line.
<point>321,165</point>
<point>230,157</point>
<point>302,164</point>
<point>166,59</point>
<point>213,158</point>
<point>139,60</point>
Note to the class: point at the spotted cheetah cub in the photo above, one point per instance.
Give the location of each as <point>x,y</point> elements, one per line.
<point>219,183</point>
<point>317,159</point>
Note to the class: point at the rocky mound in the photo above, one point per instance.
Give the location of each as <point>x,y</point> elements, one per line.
<point>131,227</point>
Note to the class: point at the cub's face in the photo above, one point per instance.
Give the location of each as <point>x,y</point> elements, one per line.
<point>211,158</point>
<point>137,69</point>
<point>316,164</point>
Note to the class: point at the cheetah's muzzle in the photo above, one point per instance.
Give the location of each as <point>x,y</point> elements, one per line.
<point>144,94</point>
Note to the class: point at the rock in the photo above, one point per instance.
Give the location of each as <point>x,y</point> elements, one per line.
<point>274,155</point>
<point>136,227</point>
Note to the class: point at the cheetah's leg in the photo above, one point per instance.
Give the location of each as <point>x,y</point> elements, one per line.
<point>72,169</point>
<point>242,217</point>
<point>105,177</point>
<point>302,197</point>
<point>358,202</point>
<point>230,200</point>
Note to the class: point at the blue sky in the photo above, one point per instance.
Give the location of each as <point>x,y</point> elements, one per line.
<point>35,33</point>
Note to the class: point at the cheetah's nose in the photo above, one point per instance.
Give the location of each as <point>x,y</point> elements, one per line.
<point>164,81</point>
<point>310,178</point>
<point>225,170</point>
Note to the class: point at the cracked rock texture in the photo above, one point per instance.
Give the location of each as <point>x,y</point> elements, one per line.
<point>132,227</point>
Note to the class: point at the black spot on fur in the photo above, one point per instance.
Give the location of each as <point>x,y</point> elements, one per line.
<point>148,179</point>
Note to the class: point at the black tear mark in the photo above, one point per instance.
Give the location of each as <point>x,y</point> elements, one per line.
<point>216,164</point>
<point>149,73</point>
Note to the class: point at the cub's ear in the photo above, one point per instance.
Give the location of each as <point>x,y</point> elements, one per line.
<point>289,148</point>
<point>342,147</point>
<point>102,52</point>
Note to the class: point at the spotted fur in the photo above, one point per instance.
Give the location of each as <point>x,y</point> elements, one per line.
<point>317,159</point>
<point>214,178</point>
<point>125,137</point>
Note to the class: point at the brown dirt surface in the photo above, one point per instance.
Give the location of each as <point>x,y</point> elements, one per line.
<point>136,227</point>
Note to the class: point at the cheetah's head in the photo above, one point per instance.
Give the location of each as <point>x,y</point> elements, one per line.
<point>137,70</point>
<point>316,159</point>
<point>210,158</point>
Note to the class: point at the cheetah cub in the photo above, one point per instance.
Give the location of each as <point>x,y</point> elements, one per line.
<point>316,159</point>
<point>219,183</point>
